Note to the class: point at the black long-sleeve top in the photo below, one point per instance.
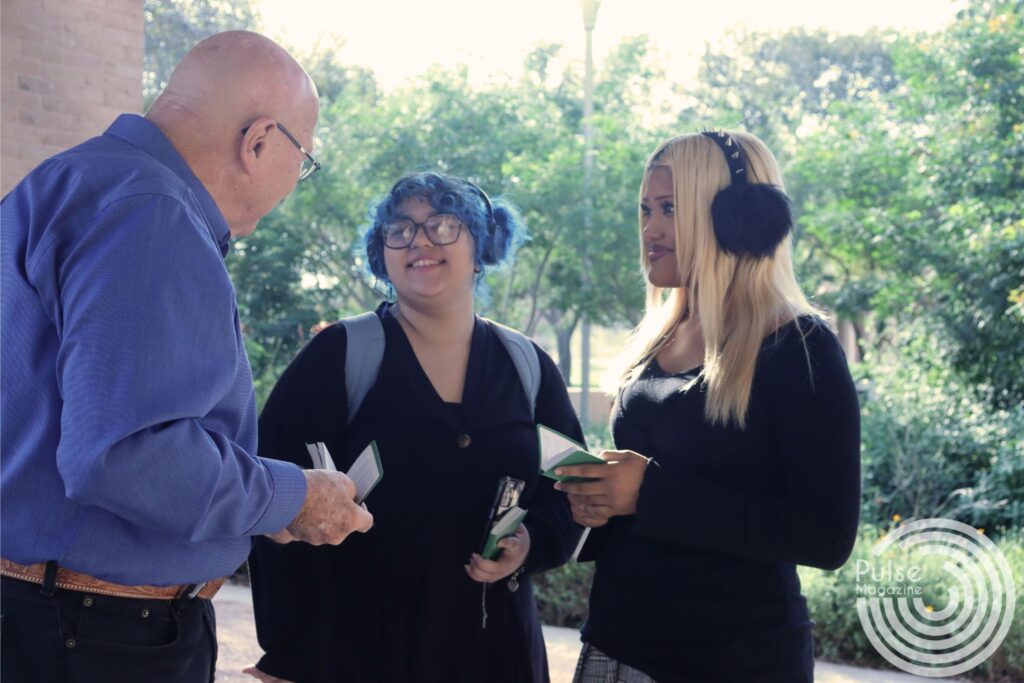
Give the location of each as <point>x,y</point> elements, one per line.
<point>700,584</point>
<point>395,604</point>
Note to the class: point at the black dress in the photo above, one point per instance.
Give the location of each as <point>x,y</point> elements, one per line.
<point>395,604</point>
<point>700,584</point>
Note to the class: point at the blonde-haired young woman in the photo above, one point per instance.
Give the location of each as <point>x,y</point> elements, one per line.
<point>738,436</point>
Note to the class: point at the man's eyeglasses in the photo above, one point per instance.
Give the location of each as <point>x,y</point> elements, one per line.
<point>309,164</point>
<point>440,229</point>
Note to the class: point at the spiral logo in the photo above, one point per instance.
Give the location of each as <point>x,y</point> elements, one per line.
<point>910,634</point>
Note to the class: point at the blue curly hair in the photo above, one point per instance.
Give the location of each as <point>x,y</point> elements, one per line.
<point>496,226</point>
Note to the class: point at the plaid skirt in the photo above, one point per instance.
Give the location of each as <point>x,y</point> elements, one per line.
<point>595,666</point>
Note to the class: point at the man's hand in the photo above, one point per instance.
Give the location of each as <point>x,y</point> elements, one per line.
<point>613,491</point>
<point>515,549</point>
<point>329,513</point>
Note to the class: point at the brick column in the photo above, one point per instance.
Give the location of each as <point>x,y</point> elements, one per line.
<point>67,69</point>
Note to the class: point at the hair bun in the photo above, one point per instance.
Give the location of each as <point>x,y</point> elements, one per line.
<point>751,218</point>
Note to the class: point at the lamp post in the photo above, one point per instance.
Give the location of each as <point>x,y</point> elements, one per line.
<point>589,9</point>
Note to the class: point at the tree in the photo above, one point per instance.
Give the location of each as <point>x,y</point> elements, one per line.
<point>775,84</point>
<point>908,183</point>
<point>969,92</point>
<point>626,129</point>
<point>520,140</point>
<point>903,156</point>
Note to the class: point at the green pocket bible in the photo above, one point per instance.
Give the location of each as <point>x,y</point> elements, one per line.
<point>366,472</point>
<point>556,450</point>
<point>504,527</point>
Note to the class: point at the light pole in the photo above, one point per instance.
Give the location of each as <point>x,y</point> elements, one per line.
<point>589,9</point>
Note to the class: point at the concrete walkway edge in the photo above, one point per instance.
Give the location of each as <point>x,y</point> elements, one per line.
<point>236,636</point>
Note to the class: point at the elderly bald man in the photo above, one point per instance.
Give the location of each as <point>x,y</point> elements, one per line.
<point>130,483</point>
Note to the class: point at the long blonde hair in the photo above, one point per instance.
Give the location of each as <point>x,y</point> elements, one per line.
<point>740,299</point>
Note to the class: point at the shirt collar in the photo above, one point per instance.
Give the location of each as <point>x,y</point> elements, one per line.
<point>144,135</point>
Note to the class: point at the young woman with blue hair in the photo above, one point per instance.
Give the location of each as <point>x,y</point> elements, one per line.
<point>412,600</point>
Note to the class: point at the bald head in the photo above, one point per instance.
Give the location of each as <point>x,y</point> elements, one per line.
<point>229,82</point>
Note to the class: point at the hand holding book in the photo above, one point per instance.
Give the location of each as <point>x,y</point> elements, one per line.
<point>506,541</point>
<point>503,528</point>
<point>504,518</point>
<point>598,493</point>
<point>512,555</point>
<point>366,472</point>
<point>557,450</point>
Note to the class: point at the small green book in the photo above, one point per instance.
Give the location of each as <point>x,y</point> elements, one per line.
<point>366,472</point>
<point>556,449</point>
<point>503,528</point>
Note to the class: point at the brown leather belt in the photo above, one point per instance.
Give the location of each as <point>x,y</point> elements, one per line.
<point>76,581</point>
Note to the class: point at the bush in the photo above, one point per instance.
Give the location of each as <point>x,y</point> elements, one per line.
<point>933,446</point>
<point>1007,663</point>
<point>599,438</point>
<point>839,636</point>
<point>563,593</point>
<point>562,597</point>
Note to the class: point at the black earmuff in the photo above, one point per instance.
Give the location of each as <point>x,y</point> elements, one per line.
<point>750,219</point>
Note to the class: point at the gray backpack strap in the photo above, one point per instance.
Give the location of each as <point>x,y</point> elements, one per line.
<point>364,352</point>
<point>524,357</point>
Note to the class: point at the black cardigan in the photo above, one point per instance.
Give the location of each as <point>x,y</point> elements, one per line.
<point>700,584</point>
<point>395,604</point>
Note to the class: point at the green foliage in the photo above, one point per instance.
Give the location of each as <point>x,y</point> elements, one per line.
<point>1007,663</point>
<point>904,155</point>
<point>520,140</point>
<point>599,438</point>
<point>832,601</point>
<point>971,188</point>
<point>773,84</point>
<point>562,594</point>
<point>931,448</point>
<point>174,26</point>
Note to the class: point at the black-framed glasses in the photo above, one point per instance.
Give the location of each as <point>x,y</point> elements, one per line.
<point>309,164</point>
<point>440,229</point>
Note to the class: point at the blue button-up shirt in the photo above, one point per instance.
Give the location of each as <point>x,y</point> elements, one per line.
<point>128,412</point>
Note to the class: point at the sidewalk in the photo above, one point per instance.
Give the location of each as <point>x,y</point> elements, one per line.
<point>236,635</point>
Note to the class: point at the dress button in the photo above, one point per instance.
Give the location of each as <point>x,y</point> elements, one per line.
<point>87,601</point>
<point>463,441</point>
<point>69,643</point>
<point>145,613</point>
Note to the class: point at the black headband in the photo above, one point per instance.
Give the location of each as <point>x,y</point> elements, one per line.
<point>734,155</point>
<point>473,186</point>
<point>750,219</point>
<point>494,250</point>
<point>483,196</point>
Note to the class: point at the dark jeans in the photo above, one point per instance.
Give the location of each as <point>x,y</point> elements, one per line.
<point>74,637</point>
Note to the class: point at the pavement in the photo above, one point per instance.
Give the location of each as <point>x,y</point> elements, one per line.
<point>236,635</point>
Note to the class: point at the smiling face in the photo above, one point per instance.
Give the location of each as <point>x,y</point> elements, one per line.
<point>425,272</point>
<point>658,229</point>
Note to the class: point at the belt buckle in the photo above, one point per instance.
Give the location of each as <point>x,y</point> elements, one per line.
<point>194,590</point>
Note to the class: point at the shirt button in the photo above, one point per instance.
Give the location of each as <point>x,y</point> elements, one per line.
<point>463,441</point>
<point>145,613</point>
<point>87,601</point>
<point>69,643</point>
